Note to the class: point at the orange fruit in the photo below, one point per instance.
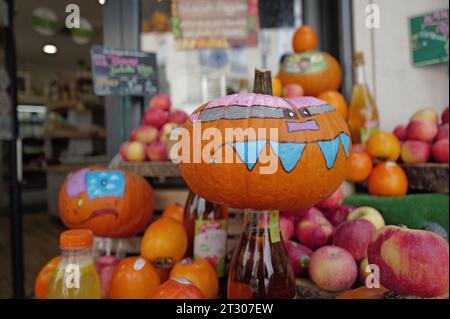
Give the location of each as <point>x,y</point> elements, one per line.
<point>277,87</point>
<point>134,278</point>
<point>174,211</point>
<point>305,39</point>
<point>336,100</point>
<point>43,278</point>
<point>388,179</point>
<point>359,167</point>
<point>164,241</point>
<point>384,146</point>
<point>177,289</point>
<point>200,273</point>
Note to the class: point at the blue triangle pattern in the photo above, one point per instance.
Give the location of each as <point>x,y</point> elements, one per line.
<point>329,150</point>
<point>288,153</point>
<point>345,139</point>
<point>249,151</point>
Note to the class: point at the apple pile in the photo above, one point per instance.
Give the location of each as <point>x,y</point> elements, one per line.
<point>424,139</point>
<point>148,141</point>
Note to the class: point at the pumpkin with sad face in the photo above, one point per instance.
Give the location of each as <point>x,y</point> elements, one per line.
<point>311,149</point>
<point>111,203</point>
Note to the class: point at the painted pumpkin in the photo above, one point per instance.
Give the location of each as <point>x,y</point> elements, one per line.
<point>314,71</point>
<point>304,163</point>
<point>111,203</point>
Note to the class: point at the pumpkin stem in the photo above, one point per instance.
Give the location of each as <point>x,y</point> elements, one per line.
<point>263,82</point>
<point>163,262</point>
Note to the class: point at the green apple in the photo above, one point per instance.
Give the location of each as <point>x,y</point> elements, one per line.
<point>370,214</point>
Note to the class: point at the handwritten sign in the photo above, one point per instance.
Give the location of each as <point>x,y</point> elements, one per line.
<point>429,37</point>
<point>215,23</point>
<point>123,72</point>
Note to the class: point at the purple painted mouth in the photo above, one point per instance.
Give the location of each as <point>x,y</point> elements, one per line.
<point>105,211</point>
<point>302,126</point>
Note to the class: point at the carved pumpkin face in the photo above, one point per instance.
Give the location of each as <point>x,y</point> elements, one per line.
<point>311,150</point>
<point>111,203</point>
<point>315,71</point>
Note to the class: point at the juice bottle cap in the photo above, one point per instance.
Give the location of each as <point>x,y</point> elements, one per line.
<point>76,239</point>
<point>358,58</point>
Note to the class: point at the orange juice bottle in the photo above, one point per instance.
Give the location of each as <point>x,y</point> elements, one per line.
<point>363,117</point>
<point>76,276</point>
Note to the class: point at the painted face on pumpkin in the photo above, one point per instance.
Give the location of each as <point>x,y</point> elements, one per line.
<point>308,62</point>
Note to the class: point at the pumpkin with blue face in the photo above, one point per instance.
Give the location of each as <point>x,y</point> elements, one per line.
<point>311,150</point>
<point>112,203</point>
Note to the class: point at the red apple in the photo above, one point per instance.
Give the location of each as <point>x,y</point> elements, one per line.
<point>354,236</point>
<point>313,229</point>
<point>420,130</point>
<point>333,268</point>
<point>400,132</point>
<point>105,267</point>
<point>133,136</point>
<point>156,117</point>
<point>123,150</point>
<point>160,101</point>
<point>157,151</point>
<point>294,214</point>
<point>415,152</point>
<point>292,90</point>
<point>368,213</point>
<point>178,116</point>
<point>411,262</point>
<point>339,215</point>
<point>426,114</point>
<point>442,132</point>
<point>444,116</point>
<point>334,201</point>
<point>298,256</point>
<point>146,134</point>
<point>135,152</point>
<point>358,148</point>
<point>164,132</point>
<point>440,151</point>
<point>286,227</point>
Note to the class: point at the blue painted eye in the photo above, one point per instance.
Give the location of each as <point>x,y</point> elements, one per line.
<point>105,184</point>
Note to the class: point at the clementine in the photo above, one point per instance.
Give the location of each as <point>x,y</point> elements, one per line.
<point>44,276</point>
<point>305,39</point>
<point>388,179</point>
<point>359,167</point>
<point>384,146</point>
<point>336,100</point>
<point>200,273</point>
<point>134,278</point>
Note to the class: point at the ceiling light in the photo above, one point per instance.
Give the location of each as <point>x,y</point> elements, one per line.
<point>49,49</point>
<point>102,2</point>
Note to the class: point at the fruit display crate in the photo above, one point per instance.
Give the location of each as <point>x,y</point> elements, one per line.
<point>152,169</point>
<point>428,177</point>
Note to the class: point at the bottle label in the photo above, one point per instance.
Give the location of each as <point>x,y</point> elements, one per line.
<point>274,227</point>
<point>210,243</point>
<point>368,129</point>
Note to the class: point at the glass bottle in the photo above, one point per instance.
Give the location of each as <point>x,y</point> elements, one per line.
<point>363,117</point>
<point>260,268</point>
<point>206,225</point>
<point>76,276</point>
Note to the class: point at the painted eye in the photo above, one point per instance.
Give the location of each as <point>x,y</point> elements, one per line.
<point>314,110</point>
<point>305,112</point>
<point>289,114</point>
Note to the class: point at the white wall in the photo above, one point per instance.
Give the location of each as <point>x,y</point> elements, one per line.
<point>399,88</point>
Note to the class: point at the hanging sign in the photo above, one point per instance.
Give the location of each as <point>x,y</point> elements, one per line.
<point>215,23</point>
<point>123,72</point>
<point>429,37</point>
<point>44,21</point>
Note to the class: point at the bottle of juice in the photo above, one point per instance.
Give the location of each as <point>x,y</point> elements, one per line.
<point>206,226</point>
<point>363,117</point>
<point>76,276</point>
<point>260,268</point>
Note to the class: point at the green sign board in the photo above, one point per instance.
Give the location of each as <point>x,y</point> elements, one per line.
<point>429,37</point>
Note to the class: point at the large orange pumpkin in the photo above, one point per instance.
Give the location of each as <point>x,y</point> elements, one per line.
<point>314,71</point>
<point>177,289</point>
<point>133,278</point>
<point>111,203</point>
<point>200,273</point>
<point>43,278</point>
<point>302,164</point>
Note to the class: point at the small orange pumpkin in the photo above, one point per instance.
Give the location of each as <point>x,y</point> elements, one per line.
<point>314,71</point>
<point>43,278</point>
<point>134,278</point>
<point>174,211</point>
<point>177,289</point>
<point>164,242</point>
<point>111,203</point>
<point>309,153</point>
<point>200,273</point>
